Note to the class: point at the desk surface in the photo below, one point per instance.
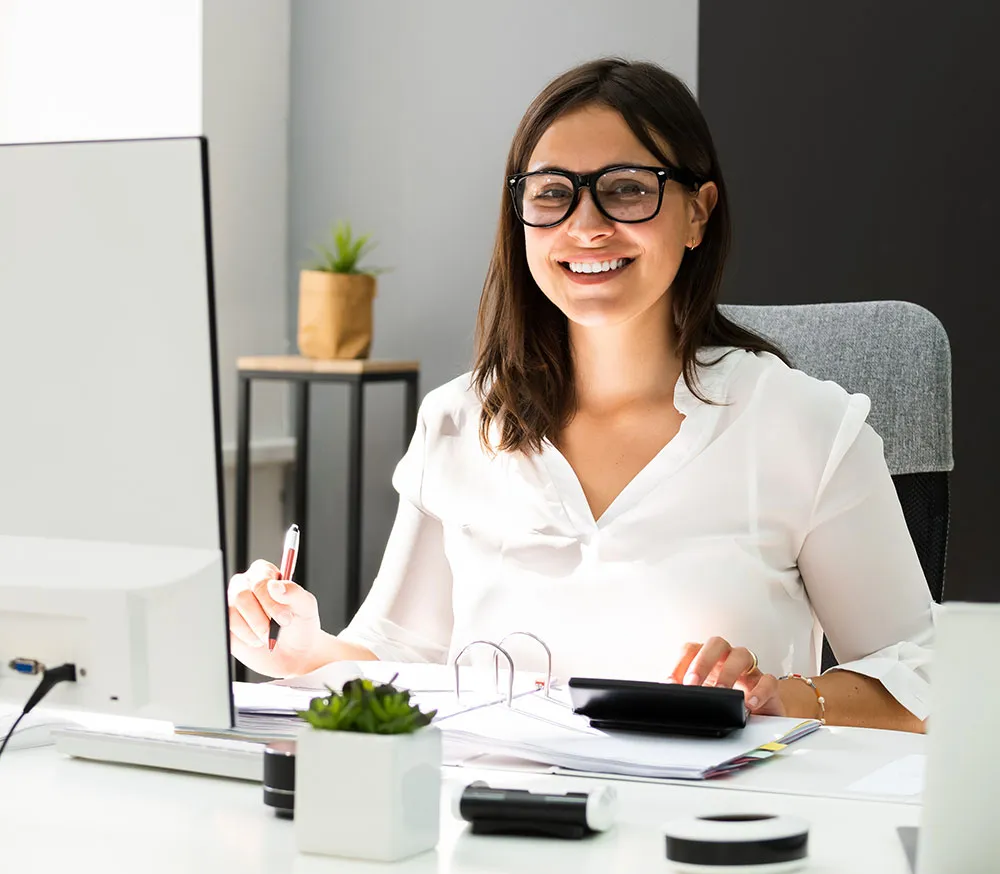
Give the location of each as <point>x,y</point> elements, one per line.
<point>299,364</point>
<point>58,813</point>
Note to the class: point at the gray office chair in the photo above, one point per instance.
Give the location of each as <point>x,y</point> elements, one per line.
<point>898,354</point>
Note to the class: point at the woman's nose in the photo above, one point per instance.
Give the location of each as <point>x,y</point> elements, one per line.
<point>587,222</point>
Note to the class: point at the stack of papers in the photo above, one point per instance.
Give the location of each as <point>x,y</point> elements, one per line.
<point>268,710</point>
<point>546,731</point>
<point>536,728</point>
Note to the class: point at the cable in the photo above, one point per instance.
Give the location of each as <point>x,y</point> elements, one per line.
<point>50,678</point>
<point>10,734</point>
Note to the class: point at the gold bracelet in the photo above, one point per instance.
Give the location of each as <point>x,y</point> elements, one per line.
<point>819,697</point>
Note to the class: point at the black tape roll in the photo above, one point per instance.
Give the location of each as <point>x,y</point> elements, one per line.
<point>739,842</point>
<point>279,777</point>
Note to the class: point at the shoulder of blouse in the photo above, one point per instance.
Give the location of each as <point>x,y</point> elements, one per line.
<point>788,396</point>
<point>451,408</point>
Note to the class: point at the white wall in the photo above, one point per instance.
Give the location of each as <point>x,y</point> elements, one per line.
<point>108,69</point>
<point>401,116</point>
<point>101,69</point>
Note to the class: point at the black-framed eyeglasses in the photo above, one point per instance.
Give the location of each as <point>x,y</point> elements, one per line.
<point>624,193</point>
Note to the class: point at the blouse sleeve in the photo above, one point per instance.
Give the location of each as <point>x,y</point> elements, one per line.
<point>861,570</point>
<point>407,615</point>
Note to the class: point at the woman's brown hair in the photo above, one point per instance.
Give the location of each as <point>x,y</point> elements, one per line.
<point>523,371</point>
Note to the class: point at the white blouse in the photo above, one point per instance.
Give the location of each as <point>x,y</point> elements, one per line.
<point>769,519</point>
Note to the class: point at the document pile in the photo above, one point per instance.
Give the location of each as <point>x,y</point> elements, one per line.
<point>537,726</point>
<point>546,730</point>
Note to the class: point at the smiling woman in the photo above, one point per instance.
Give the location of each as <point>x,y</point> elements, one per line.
<point>637,217</point>
<point>644,485</point>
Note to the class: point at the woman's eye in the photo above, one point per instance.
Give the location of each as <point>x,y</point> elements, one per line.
<point>628,190</point>
<point>552,194</point>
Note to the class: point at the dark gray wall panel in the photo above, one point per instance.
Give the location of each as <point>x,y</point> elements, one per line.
<point>860,142</point>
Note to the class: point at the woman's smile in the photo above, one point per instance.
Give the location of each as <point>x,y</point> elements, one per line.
<point>595,272</point>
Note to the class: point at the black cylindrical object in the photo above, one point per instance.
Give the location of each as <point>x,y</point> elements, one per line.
<point>738,843</point>
<point>279,777</point>
<point>518,811</point>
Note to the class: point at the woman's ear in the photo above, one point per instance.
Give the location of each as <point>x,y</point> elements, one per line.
<point>701,205</point>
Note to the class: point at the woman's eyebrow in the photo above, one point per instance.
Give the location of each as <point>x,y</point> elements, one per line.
<point>548,168</point>
<point>552,168</point>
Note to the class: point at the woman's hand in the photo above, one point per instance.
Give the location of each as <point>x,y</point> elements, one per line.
<point>717,663</point>
<point>254,597</point>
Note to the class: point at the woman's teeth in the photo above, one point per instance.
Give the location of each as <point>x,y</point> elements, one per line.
<point>597,266</point>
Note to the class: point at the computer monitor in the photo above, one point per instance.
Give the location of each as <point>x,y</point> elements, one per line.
<point>111,486</point>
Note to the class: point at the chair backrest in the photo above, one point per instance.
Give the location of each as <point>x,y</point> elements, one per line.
<point>898,354</point>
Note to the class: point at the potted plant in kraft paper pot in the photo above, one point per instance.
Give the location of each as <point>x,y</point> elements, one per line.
<point>367,774</point>
<point>336,298</point>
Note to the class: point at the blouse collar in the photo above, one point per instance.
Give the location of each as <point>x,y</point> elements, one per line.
<point>714,367</point>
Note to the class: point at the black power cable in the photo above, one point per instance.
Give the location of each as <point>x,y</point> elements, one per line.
<point>50,678</point>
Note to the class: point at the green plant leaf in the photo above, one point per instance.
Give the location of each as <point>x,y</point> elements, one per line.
<point>346,253</point>
<point>364,707</point>
<point>378,711</point>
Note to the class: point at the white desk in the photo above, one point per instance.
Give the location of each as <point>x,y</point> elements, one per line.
<point>60,814</point>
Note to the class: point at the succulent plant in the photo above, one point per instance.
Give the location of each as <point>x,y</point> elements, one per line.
<point>366,707</point>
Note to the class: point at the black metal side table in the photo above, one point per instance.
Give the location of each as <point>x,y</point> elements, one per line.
<point>303,372</point>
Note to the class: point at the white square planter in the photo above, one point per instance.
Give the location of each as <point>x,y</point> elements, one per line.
<point>367,796</point>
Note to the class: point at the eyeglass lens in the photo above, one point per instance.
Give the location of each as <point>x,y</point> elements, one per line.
<point>626,194</point>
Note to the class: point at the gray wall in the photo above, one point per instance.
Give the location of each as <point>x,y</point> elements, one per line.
<point>401,116</point>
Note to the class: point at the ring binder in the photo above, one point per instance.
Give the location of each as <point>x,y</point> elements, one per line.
<point>500,650</point>
<point>548,654</point>
<point>499,647</point>
<point>510,661</point>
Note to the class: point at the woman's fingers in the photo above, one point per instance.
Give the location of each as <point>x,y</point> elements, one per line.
<point>717,663</point>
<point>292,599</point>
<point>249,608</point>
<point>239,629</point>
<point>738,663</point>
<point>714,650</point>
<point>262,570</point>
<point>242,598</point>
<point>281,613</point>
<point>687,656</point>
<point>765,697</point>
<point>249,598</point>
